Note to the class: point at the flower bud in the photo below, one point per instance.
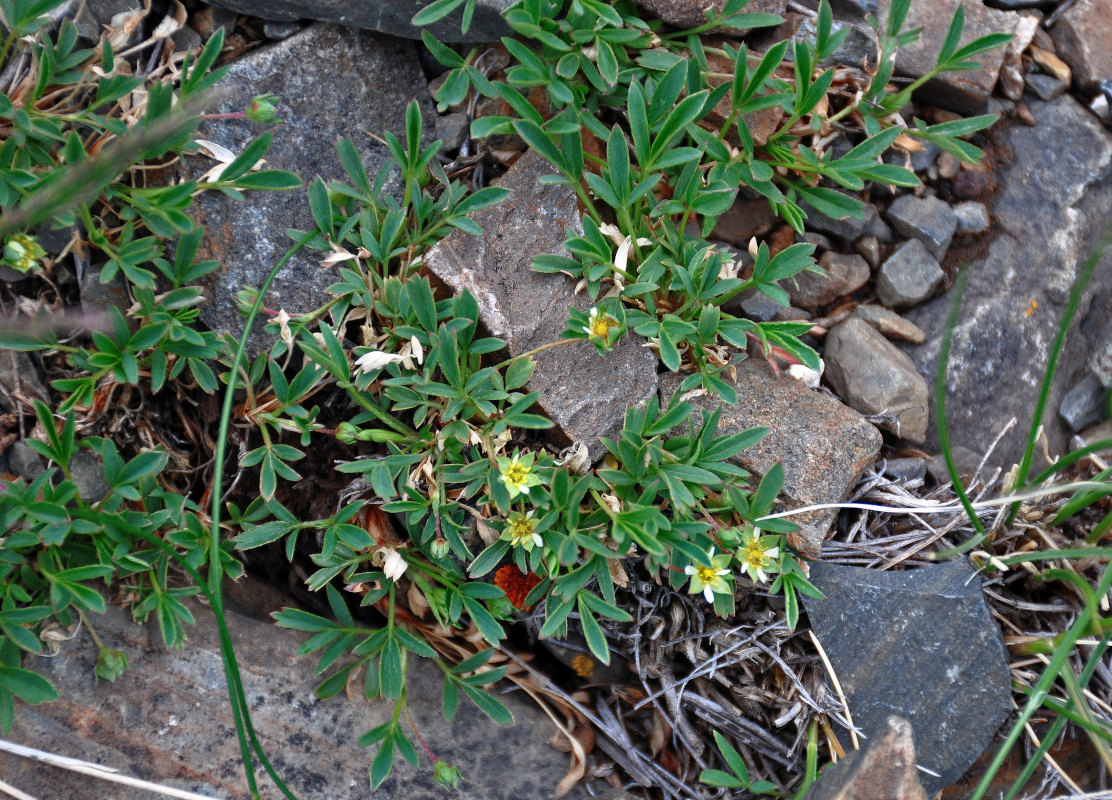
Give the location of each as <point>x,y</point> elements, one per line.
<point>110,664</point>
<point>263,109</point>
<point>347,433</point>
<point>439,548</point>
<point>446,775</point>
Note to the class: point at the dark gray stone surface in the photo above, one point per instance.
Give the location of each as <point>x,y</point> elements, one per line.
<point>386,16</point>
<point>18,374</point>
<point>87,471</point>
<point>848,228</point>
<point>920,644</point>
<point>889,323</point>
<point>822,445</point>
<point>1055,198</point>
<point>841,274</point>
<point>362,87</point>
<point>25,462</point>
<point>691,13</point>
<point>1046,87</point>
<point>875,377</point>
<point>1081,36</point>
<point>167,720</point>
<point>1083,404</point>
<point>585,394</point>
<point>909,276</point>
<point>927,219</point>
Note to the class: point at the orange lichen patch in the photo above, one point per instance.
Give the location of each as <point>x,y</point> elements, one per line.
<point>516,584</point>
<point>584,667</point>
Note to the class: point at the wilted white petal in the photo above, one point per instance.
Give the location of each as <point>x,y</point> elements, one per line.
<point>394,565</point>
<point>612,232</point>
<point>621,258</point>
<point>283,320</point>
<point>376,359</point>
<point>417,350</point>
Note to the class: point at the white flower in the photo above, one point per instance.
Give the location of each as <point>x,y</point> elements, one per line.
<point>394,564</point>
<point>375,360</point>
<point>283,320</point>
<point>621,258</point>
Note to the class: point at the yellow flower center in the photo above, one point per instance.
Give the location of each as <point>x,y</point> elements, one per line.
<point>755,554</point>
<point>517,473</point>
<point>707,575</point>
<point>601,325</point>
<point>521,528</point>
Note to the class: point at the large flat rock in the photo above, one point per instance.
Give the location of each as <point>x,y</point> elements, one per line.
<point>822,444</point>
<point>1054,201</point>
<point>585,394</point>
<point>332,82</point>
<point>167,720</point>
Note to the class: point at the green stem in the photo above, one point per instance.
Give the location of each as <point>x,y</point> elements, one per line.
<point>535,351</point>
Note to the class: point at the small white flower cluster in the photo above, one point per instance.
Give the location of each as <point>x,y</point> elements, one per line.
<point>374,360</point>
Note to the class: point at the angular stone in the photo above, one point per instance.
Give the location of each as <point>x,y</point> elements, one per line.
<point>920,644</point>
<point>909,468</point>
<point>1084,403</point>
<point>692,13</point>
<point>822,445</point>
<point>927,219</point>
<point>1046,87</point>
<point>746,218</point>
<point>364,84</point>
<point>889,323</point>
<point>909,276</point>
<point>585,394</point>
<point>167,719</point>
<point>25,462</point>
<point>386,16</point>
<point>875,377</point>
<point>859,49</point>
<point>848,228</point>
<point>841,275</point>
<point>883,770</point>
<point>965,461</point>
<point>87,471</point>
<point>97,298</point>
<point>965,91</point>
<point>753,305</point>
<point>1055,199</point>
<point>1100,361</point>
<point>972,217</point>
<point>1081,38</point>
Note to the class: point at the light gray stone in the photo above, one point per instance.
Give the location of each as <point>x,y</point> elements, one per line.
<point>848,228</point>
<point>921,644</point>
<point>927,219</point>
<point>453,129</point>
<point>874,377</point>
<point>841,274</point>
<point>1081,37</point>
<point>822,445</point>
<point>385,16</point>
<point>25,462</point>
<point>884,769</point>
<point>585,394</point>
<point>753,305</point>
<point>972,217</point>
<point>168,720</point>
<point>87,470</point>
<point>1054,200</point>
<point>909,276</point>
<point>1100,361</point>
<point>1084,404</point>
<point>97,298</point>
<point>362,87</point>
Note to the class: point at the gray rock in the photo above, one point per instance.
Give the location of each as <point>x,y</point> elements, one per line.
<point>11,275</point>
<point>185,38</point>
<point>1084,404</point>
<point>965,460</point>
<point>692,13</point>
<point>874,377</point>
<point>1081,37</point>
<point>875,226</point>
<point>1054,200</point>
<point>920,644</point>
<point>820,241</point>
<point>1016,5</point>
<point>385,16</point>
<point>883,770</point>
<point>453,129</point>
<point>972,217</point>
<point>869,247</point>
<point>167,719</point>
<point>87,471</point>
<point>822,445</point>
<point>97,297</point>
<point>1046,87</point>
<point>841,275</point>
<point>889,323</point>
<point>848,228</point>
<point>909,276</point>
<point>207,19</point>
<point>910,468</point>
<point>1100,362</point>
<point>585,394</point>
<point>858,50</point>
<point>280,30</point>
<point>927,219</point>
<point>746,218</point>
<point>964,91</point>
<point>364,84</point>
<point>18,374</point>
<point>753,305</point>
<point>25,462</point>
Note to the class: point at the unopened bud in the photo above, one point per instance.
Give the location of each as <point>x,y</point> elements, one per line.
<point>263,109</point>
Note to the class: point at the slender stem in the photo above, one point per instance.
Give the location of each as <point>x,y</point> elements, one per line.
<point>89,627</point>
<point>535,351</point>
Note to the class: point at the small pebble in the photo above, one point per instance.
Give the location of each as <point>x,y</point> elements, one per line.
<point>972,217</point>
<point>1051,64</point>
<point>280,30</point>
<point>948,165</point>
<point>1023,113</point>
<point>972,183</point>
<point>1046,87</point>
<point>869,247</point>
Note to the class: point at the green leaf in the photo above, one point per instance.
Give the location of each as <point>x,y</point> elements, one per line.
<point>430,14</point>
<point>28,686</point>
